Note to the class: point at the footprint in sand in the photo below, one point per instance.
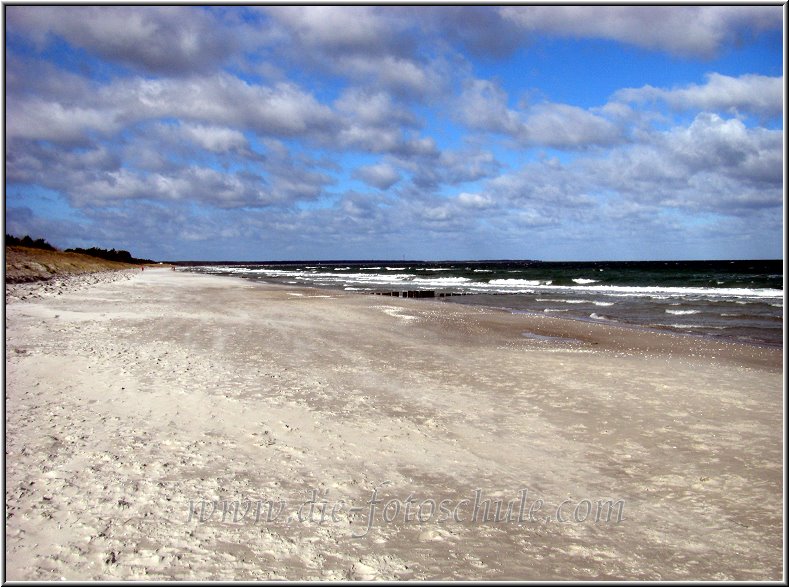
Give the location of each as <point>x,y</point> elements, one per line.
<point>362,572</point>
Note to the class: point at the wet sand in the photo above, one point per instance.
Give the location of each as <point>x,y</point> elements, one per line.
<point>141,411</point>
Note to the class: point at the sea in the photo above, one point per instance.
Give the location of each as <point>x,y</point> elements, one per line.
<point>740,301</point>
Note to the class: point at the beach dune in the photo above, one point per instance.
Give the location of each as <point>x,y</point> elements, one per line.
<point>168,425</point>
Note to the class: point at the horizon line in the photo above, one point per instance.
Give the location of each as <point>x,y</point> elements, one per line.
<point>392,261</point>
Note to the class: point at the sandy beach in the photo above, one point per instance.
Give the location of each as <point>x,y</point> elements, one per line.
<point>166,425</point>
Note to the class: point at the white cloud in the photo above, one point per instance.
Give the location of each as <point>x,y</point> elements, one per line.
<point>42,119</point>
<point>216,100</point>
<point>483,106</point>
<point>678,166</point>
<point>750,93</point>
<point>215,138</point>
<point>683,30</point>
<point>480,29</point>
<point>347,28</point>
<point>450,167</point>
<point>164,39</point>
<point>281,110</point>
<point>565,126</point>
<point>475,201</point>
<point>382,175</point>
<point>373,46</point>
<point>192,183</point>
<point>374,108</point>
<point>402,76</point>
<point>714,165</point>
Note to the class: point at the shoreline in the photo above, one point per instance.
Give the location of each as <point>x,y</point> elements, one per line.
<point>626,327</point>
<point>654,330</point>
<point>711,327</point>
<point>135,405</point>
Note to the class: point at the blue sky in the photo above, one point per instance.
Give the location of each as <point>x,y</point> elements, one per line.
<point>356,132</point>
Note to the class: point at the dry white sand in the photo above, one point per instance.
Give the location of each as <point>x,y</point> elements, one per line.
<point>129,402</point>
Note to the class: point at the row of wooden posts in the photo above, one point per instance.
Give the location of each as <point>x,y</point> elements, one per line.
<point>416,294</point>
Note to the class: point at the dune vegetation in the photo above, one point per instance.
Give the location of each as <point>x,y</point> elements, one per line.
<point>24,264</point>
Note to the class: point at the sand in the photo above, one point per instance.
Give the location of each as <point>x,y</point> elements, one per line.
<point>143,410</point>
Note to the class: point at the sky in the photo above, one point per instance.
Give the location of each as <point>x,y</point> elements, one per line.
<point>390,132</point>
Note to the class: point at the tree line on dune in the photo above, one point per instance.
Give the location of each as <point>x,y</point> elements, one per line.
<point>107,254</point>
<point>26,241</point>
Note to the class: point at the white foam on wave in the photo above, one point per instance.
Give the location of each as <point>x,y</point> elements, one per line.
<point>563,301</point>
<point>509,286</point>
<point>549,310</point>
<point>659,292</point>
<point>682,312</point>
<point>440,281</point>
<point>691,326</point>
<point>583,281</point>
<point>225,269</point>
<point>596,303</point>
<point>515,282</point>
<point>595,316</point>
<point>407,279</point>
<point>656,292</point>
<point>262,271</point>
<point>373,277</point>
